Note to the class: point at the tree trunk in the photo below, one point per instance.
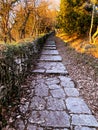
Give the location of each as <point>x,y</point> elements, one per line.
<point>92,21</point>
<point>23,27</point>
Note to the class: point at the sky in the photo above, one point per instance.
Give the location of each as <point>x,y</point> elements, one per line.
<point>55,3</point>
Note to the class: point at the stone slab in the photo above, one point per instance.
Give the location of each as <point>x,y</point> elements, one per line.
<point>54,86</point>
<point>64,79</point>
<point>58,93</point>
<point>50,58</point>
<point>50,68</point>
<point>84,120</point>
<point>59,119</point>
<point>50,52</point>
<point>41,90</point>
<point>32,127</point>
<point>50,45</point>
<point>83,128</point>
<point>61,129</point>
<point>19,124</point>
<point>49,48</point>
<point>54,71</point>
<point>71,92</point>
<point>52,81</point>
<point>50,42</point>
<point>39,71</point>
<point>77,105</point>
<point>68,84</point>
<point>55,104</point>
<point>37,103</point>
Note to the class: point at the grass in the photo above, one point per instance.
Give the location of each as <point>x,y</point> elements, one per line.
<point>25,40</point>
<point>80,44</point>
<point>18,42</point>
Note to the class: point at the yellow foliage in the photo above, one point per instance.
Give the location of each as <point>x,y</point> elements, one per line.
<point>81,44</point>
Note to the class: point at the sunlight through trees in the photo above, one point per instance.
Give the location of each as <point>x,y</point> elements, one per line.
<point>24,18</point>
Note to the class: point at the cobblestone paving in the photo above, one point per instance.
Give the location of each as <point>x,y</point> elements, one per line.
<point>54,102</point>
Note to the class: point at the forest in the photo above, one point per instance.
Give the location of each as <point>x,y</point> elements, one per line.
<point>24,18</point>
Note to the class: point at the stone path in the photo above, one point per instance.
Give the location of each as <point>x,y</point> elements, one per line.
<point>54,102</point>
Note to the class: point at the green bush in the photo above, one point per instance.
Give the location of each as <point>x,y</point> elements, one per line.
<point>15,64</point>
<point>74,18</point>
<point>83,23</point>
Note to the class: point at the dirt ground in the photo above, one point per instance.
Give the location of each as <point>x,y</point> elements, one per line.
<point>83,70</point>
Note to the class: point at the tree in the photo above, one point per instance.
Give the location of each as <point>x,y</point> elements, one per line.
<point>24,18</point>
<point>73,18</point>
<point>5,19</point>
<point>46,16</point>
<point>40,18</point>
<point>92,21</point>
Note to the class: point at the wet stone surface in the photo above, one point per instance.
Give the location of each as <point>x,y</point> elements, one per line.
<point>54,102</point>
